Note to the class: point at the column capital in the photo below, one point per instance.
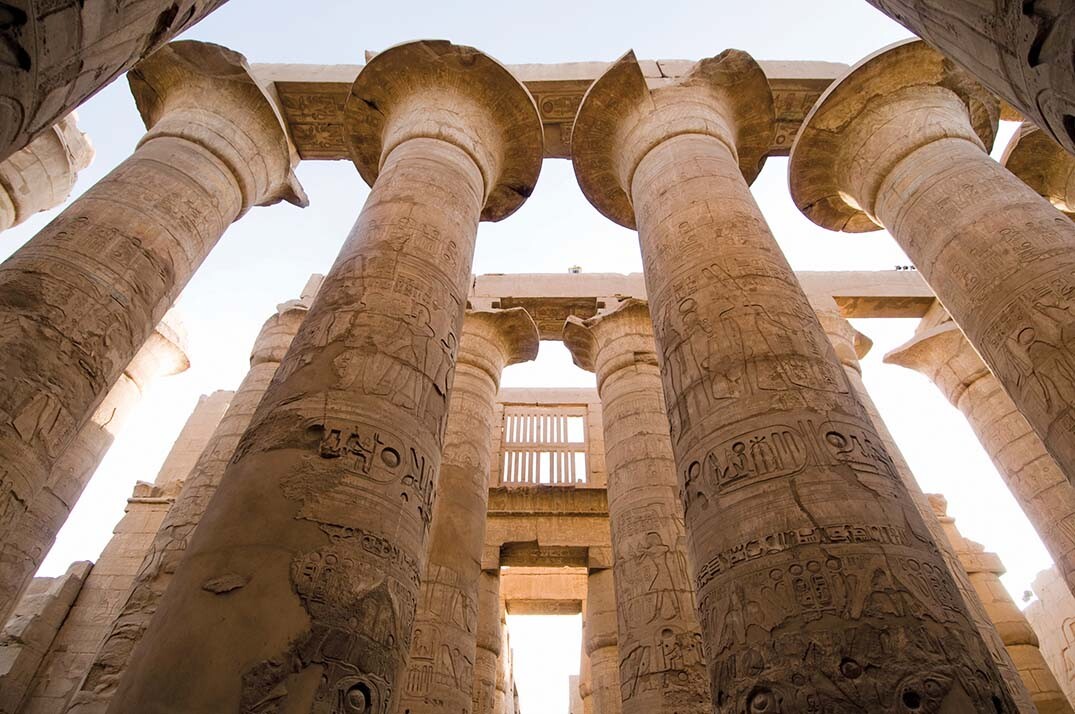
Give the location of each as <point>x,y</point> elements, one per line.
<point>850,344</point>
<point>628,328</point>
<point>895,101</point>
<point>278,331</point>
<point>1042,164</point>
<point>494,339</point>
<point>205,93</point>
<point>163,354</point>
<point>622,118</point>
<point>436,90</point>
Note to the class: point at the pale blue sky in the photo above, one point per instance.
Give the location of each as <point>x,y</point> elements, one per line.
<point>266,257</point>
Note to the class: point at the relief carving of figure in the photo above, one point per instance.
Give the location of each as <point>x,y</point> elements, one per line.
<point>1051,372</point>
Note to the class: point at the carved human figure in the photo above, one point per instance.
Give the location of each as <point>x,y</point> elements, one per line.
<point>798,526</point>
<point>449,601</point>
<point>900,142</point>
<point>300,584</point>
<point>657,626</point>
<point>54,56</point>
<point>1043,165</point>
<point>83,295</point>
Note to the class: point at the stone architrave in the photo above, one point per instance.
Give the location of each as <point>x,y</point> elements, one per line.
<point>900,142</point>
<point>809,555</point>
<point>440,671</point>
<point>82,297</point>
<point>488,643</point>
<point>1022,51</point>
<point>985,570</point>
<point>662,668</point>
<point>55,56</point>
<point>941,352</point>
<point>1043,165</point>
<point>173,537</point>
<point>301,582</point>
<point>850,345</point>
<point>163,354</point>
<point>600,643</point>
<point>41,175</point>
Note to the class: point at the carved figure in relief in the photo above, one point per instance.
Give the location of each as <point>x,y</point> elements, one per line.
<point>1068,650</point>
<point>658,559</point>
<point>1051,372</point>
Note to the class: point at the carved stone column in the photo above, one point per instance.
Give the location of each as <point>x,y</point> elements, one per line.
<point>56,56</point>
<point>41,175</point>
<point>1022,51</point>
<point>661,664</point>
<point>82,297</point>
<point>599,641</point>
<point>488,643</point>
<point>900,142</point>
<point>850,345</point>
<point>585,677</point>
<point>503,660</point>
<point>941,352</point>
<point>301,582</point>
<point>173,537</point>
<point>440,672</point>
<point>810,557</point>
<point>1043,165</point>
<point>164,353</point>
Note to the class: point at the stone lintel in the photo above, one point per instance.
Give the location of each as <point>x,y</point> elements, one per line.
<point>312,96</point>
<point>543,591</point>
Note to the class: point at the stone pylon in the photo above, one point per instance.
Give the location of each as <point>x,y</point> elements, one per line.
<point>440,672</point>
<point>83,295</point>
<point>850,345</point>
<point>488,643</point>
<point>810,558</point>
<point>941,352</point>
<point>1020,50</point>
<point>301,582</point>
<point>173,536</point>
<point>985,570</point>
<point>41,175</point>
<point>600,643</point>
<point>1043,165</point>
<point>163,354</point>
<point>661,664</point>
<point>56,56</point>
<point>900,142</point>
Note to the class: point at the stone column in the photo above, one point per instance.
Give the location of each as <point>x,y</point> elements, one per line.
<point>440,672</point>
<point>850,345</point>
<point>41,175</point>
<point>1052,615</point>
<point>81,297</point>
<point>661,664</point>
<point>164,353</point>
<point>72,652</point>
<point>503,664</point>
<point>985,570</point>
<point>1043,165</point>
<point>173,537</point>
<point>574,698</point>
<point>301,582</point>
<point>600,644</point>
<point>810,558</point>
<point>57,56</point>
<point>487,654</point>
<point>900,142</point>
<point>1020,50</point>
<point>585,676</point>
<point>941,352</point>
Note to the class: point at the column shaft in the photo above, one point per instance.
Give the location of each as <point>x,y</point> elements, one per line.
<point>488,643</point>
<point>599,635</point>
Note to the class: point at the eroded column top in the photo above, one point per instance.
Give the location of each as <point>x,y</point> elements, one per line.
<point>611,341</point>
<point>1042,164</point>
<point>861,128</point>
<point>494,339</point>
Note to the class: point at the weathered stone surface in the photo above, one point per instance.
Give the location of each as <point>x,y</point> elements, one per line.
<point>1043,165</point>
<point>488,643</point>
<point>1052,615</point>
<point>82,297</point>
<point>985,570</point>
<point>574,699</point>
<point>600,643</point>
<point>164,353</point>
<point>1020,50</point>
<point>900,142</point>
<point>325,507</point>
<point>200,481</point>
<point>41,175</point>
<point>662,668</point>
<point>800,530</point>
<point>26,637</point>
<point>543,591</point>
<point>57,56</point>
<point>941,352</point>
<point>440,670</point>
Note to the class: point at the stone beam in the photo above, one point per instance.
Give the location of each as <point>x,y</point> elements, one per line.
<point>543,591</point>
<point>311,97</point>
